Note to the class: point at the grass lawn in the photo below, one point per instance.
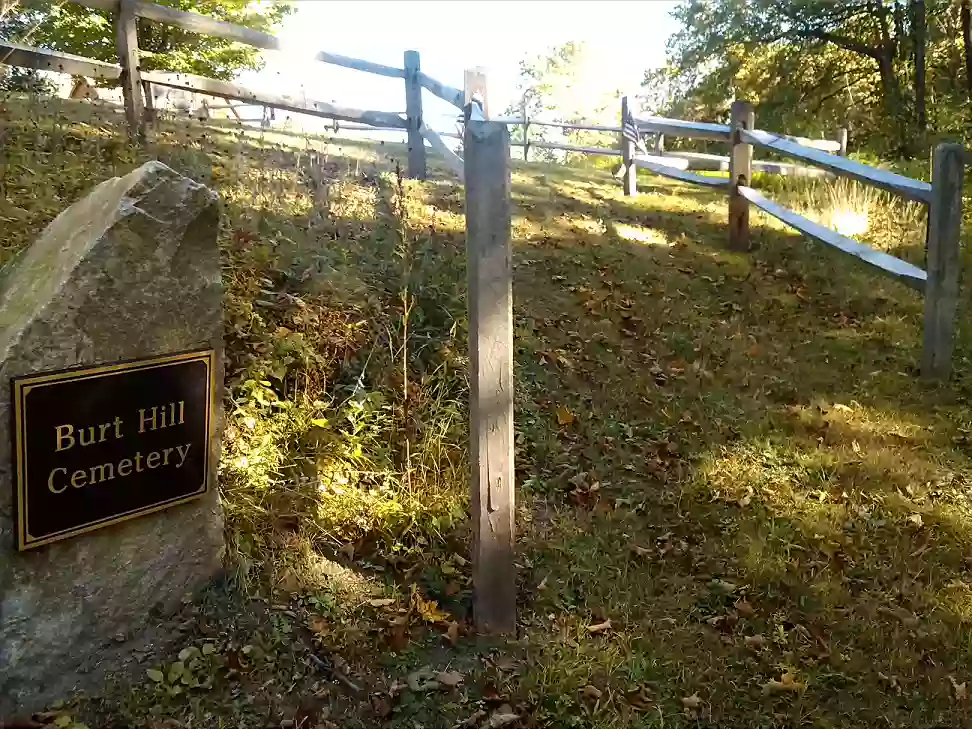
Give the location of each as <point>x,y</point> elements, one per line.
<point>738,504</point>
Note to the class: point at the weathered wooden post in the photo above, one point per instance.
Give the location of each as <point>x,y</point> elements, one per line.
<point>476,86</point>
<point>490,301</point>
<point>413,115</point>
<point>526,133</point>
<point>126,40</point>
<point>842,138</point>
<point>943,260</point>
<point>659,144</point>
<point>629,171</point>
<point>150,115</point>
<point>742,116</point>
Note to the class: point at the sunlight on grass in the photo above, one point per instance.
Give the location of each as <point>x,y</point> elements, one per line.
<point>645,236</point>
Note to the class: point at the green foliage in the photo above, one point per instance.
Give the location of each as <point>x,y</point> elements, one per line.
<point>813,66</point>
<point>75,29</point>
<point>552,87</point>
<point>25,80</point>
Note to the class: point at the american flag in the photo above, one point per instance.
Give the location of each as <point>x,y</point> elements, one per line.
<point>629,130</point>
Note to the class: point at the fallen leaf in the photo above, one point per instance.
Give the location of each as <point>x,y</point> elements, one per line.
<point>961,692</point>
<point>592,692</point>
<point>381,602</point>
<point>450,679</point>
<point>503,716</point>
<point>382,705</point>
<point>915,519</point>
<point>471,721</point>
<point>692,702</point>
<point>423,680</point>
<point>787,683</point>
<point>744,608</point>
<point>543,583</point>
<point>755,642</point>
<point>599,627</point>
<point>317,624</point>
<point>428,610</point>
<point>398,636</point>
<point>155,674</point>
<point>564,416</point>
<point>640,699</point>
<point>452,634</point>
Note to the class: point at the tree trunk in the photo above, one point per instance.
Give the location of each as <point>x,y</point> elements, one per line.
<point>966,14</point>
<point>918,21</point>
<point>898,23</point>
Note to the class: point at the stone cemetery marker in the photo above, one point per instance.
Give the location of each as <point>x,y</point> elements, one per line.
<point>110,336</point>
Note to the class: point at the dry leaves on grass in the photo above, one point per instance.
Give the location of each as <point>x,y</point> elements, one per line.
<point>961,692</point>
<point>592,692</point>
<point>599,628</point>
<point>564,416</point>
<point>693,702</point>
<point>428,610</point>
<point>381,602</point>
<point>786,684</point>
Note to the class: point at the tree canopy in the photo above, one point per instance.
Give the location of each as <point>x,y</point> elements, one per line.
<point>71,28</point>
<point>890,70</point>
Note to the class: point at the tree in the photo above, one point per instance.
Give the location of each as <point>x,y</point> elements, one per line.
<point>918,27</point>
<point>810,63</point>
<point>559,85</point>
<point>74,29</point>
<point>967,41</point>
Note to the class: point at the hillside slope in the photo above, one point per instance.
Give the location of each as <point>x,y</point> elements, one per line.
<point>739,507</point>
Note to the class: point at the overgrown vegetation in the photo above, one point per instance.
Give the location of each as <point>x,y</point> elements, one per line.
<point>738,504</point>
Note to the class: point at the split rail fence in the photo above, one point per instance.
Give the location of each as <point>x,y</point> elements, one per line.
<point>485,172</point>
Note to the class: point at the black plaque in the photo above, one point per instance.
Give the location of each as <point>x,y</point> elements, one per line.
<point>99,445</point>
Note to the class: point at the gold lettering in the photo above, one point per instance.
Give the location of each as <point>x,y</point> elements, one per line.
<point>91,436</point>
<point>142,419</point>
<point>182,412</point>
<point>152,459</point>
<point>104,427</point>
<point>183,453</point>
<point>165,456</point>
<point>102,470</point>
<point>63,435</point>
<point>74,478</point>
<point>118,424</point>
<point>50,482</point>
<point>124,467</point>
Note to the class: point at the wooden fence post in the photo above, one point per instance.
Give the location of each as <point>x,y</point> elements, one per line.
<point>742,116</point>
<point>526,133</point>
<point>659,144</point>
<point>126,40</point>
<point>842,138</point>
<point>490,301</point>
<point>150,115</point>
<point>629,171</point>
<point>476,84</point>
<point>413,113</point>
<point>943,260</point>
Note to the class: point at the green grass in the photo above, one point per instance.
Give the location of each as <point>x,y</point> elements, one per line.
<point>729,456</point>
